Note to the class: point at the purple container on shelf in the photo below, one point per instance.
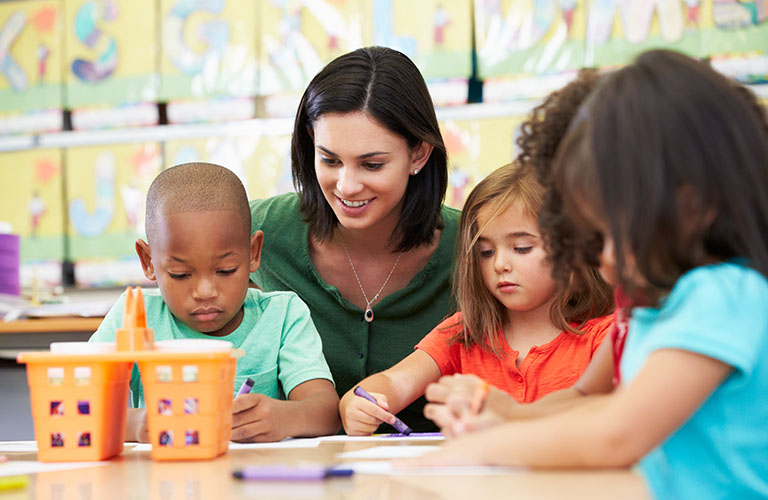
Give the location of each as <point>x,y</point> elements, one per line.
<point>9,264</point>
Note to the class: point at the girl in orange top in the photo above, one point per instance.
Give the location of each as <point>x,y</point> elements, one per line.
<point>517,328</point>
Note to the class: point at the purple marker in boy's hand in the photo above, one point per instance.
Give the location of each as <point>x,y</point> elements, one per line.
<point>399,424</point>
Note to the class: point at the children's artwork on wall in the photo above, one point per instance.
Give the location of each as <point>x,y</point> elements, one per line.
<point>435,34</point>
<point>476,148</point>
<point>32,203</point>
<point>106,190</point>
<point>30,66</point>
<point>298,37</point>
<point>527,36</point>
<point>208,48</point>
<point>262,162</point>
<point>111,52</point>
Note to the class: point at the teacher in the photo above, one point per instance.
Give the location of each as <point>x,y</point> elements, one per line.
<point>366,241</point>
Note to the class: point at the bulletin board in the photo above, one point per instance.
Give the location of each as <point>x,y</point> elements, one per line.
<point>33,207</point>
<point>299,37</point>
<point>208,48</point>
<point>106,190</point>
<point>262,162</point>
<point>435,34</point>
<point>111,52</point>
<point>475,149</point>
<point>30,56</point>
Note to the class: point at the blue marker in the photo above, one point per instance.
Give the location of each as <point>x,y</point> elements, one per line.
<point>289,473</point>
<point>246,387</point>
<point>399,424</point>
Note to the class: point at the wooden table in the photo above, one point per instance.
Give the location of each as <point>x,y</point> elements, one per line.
<point>135,475</point>
<point>39,333</point>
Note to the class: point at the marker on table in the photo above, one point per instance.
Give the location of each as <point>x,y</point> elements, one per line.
<point>478,398</point>
<point>246,387</point>
<point>399,424</point>
<point>290,473</point>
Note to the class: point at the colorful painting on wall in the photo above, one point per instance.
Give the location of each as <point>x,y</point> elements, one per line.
<point>209,48</point>
<point>262,162</point>
<point>476,148</point>
<point>299,37</point>
<point>30,66</point>
<point>106,189</point>
<point>111,52</point>
<point>33,208</point>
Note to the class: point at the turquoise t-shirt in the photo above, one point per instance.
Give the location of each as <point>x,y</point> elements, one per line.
<point>282,347</point>
<point>720,311</point>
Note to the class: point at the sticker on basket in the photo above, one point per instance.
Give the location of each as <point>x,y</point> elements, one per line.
<point>83,407</point>
<point>82,375</point>
<point>57,408</point>
<point>189,373</point>
<point>57,439</point>
<point>163,373</point>
<point>55,375</point>
<point>191,438</point>
<point>166,438</point>
<point>164,407</point>
<point>190,406</point>
<point>84,439</point>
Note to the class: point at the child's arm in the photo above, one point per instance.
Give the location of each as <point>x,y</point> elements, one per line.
<point>311,410</point>
<point>451,396</point>
<point>612,431</point>
<point>136,425</point>
<point>394,389</point>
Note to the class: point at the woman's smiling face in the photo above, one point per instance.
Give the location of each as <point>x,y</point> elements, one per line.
<point>363,169</point>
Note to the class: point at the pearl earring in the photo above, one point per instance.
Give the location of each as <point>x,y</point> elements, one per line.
<point>415,171</point>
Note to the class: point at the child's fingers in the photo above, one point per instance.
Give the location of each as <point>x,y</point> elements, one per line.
<point>436,393</point>
<point>376,413</point>
<point>442,416</point>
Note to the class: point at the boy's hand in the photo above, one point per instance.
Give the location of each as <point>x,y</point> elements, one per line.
<point>360,417</point>
<point>258,418</point>
<point>136,425</point>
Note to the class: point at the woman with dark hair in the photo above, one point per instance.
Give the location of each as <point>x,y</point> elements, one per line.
<point>366,241</point>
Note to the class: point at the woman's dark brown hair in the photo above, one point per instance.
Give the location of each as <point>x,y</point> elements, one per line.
<point>387,86</point>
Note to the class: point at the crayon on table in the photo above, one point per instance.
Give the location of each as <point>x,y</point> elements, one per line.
<point>399,424</point>
<point>289,473</point>
<point>246,387</point>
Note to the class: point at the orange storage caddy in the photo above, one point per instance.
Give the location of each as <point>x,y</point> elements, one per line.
<point>79,394</point>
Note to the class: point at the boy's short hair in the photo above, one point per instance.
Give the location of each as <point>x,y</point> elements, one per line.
<point>196,187</point>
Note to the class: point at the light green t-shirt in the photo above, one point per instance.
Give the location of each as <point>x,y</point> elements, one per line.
<point>282,347</point>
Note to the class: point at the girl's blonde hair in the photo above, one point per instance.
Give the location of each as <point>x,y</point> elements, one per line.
<point>584,296</point>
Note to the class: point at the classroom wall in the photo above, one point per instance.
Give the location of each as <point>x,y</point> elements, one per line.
<point>102,69</point>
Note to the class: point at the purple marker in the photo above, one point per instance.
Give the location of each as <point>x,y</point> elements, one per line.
<point>288,473</point>
<point>399,424</point>
<point>246,387</point>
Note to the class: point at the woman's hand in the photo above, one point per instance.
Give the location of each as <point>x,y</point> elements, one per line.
<point>361,417</point>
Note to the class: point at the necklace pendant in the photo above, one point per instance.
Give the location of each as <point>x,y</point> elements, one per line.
<point>368,315</point>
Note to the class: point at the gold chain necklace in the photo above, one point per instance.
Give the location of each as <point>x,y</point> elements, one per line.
<point>368,314</point>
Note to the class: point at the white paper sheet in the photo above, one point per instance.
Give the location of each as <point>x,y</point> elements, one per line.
<point>386,468</point>
<point>285,443</point>
<point>379,438</point>
<point>389,452</point>
<point>19,467</point>
<point>18,446</point>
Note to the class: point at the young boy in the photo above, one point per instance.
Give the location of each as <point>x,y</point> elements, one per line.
<point>200,251</point>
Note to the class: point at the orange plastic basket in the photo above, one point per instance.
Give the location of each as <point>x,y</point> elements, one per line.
<point>78,405</point>
<point>188,396</point>
<point>79,400</point>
